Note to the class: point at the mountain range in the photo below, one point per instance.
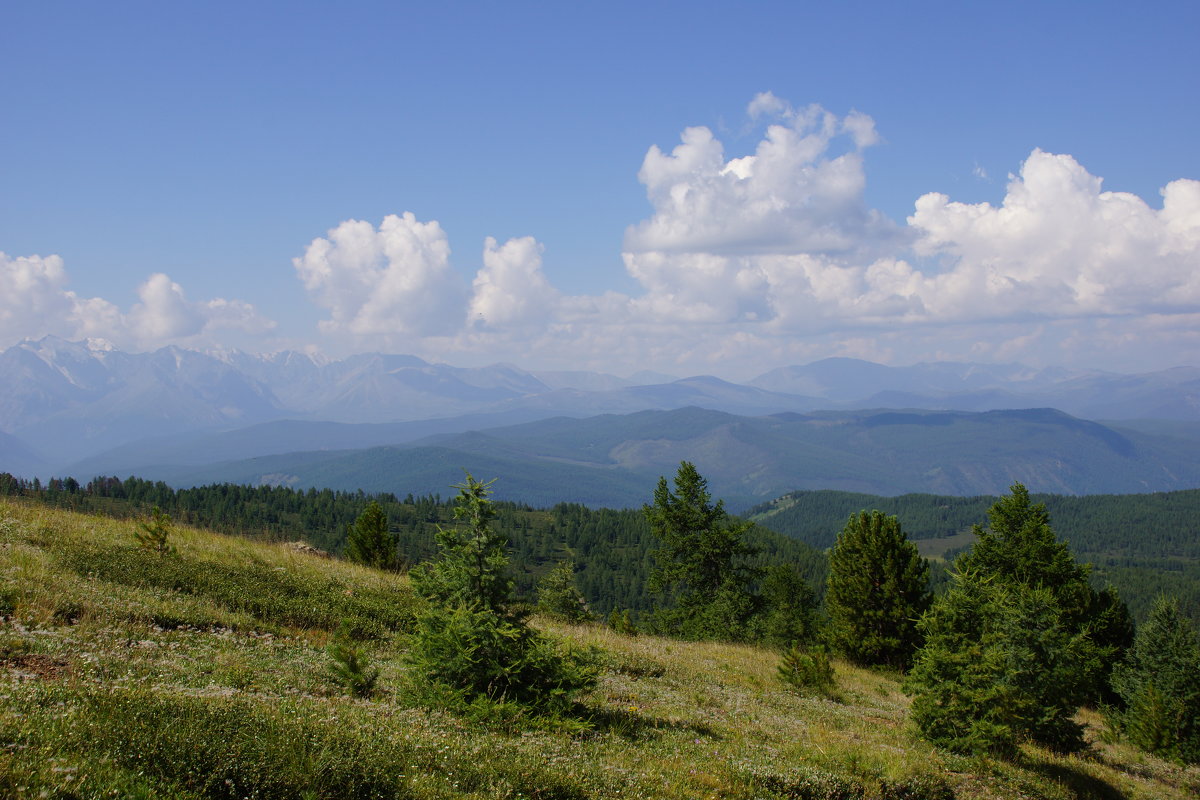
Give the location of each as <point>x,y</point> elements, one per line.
<point>86,408</point>
<point>614,460</point>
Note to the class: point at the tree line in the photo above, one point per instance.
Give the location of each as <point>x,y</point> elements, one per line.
<point>1144,544</point>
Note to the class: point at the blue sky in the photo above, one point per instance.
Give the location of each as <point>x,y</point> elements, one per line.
<point>180,160</point>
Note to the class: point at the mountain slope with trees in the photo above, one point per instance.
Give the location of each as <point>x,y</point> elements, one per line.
<point>607,460</point>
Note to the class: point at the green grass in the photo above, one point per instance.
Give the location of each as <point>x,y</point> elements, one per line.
<point>204,674</point>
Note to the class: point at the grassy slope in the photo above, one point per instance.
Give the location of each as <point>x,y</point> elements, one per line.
<point>203,674</point>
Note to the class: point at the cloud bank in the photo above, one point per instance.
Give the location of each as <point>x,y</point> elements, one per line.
<point>745,262</point>
<point>35,302</point>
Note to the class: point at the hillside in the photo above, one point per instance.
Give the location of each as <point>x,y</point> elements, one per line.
<point>203,675</point>
<point>609,548</point>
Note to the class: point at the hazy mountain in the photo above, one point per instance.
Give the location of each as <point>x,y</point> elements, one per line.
<point>18,457</point>
<point>67,398</point>
<point>372,387</point>
<point>1172,394</point>
<point>616,459</point>
<point>74,400</point>
<point>277,437</point>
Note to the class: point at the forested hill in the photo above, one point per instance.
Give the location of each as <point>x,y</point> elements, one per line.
<point>1142,543</point>
<point>610,548</point>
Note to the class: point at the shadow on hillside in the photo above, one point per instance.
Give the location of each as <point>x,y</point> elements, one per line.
<point>633,727</point>
<point>1082,785</point>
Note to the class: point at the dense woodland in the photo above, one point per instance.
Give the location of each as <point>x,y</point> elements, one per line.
<point>1144,544</point>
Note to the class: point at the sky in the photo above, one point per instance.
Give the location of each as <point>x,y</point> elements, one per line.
<point>693,188</point>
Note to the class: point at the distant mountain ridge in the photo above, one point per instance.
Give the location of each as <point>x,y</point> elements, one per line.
<point>614,460</point>
<point>65,402</point>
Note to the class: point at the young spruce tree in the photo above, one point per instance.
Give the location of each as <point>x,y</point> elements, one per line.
<point>877,590</point>
<point>472,645</point>
<point>1159,682</point>
<point>370,542</point>
<point>1010,651</point>
<point>1020,547</point>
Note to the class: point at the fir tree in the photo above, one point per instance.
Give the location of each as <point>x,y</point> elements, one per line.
<point>877,589</point>
<point>1000,665</point>
<point>1159,682</point>
<point>370,542</point>
<point>1011,650</point>
<point>559,597</point>
<point>1019,546</point>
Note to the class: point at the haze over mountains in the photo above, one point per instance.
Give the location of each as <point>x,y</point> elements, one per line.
<point>85,408</point>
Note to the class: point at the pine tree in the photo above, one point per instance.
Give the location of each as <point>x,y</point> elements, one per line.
<point>1159,682</point>
<point>878,587</point>
<point>700,572</point>
<point>370,542</point>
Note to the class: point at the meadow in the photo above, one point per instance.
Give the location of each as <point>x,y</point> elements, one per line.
<point>204,673</point>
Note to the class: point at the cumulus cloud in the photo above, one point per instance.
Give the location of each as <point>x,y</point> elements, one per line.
<point>782,240</point>
<point>394,280</point>
<point>1060,246</point>
<point>792,195</point>
<point>781,237</point>
<point>774,256</point>
<point>35,302</point>
<point>511,291</point>
<point>33,296</point>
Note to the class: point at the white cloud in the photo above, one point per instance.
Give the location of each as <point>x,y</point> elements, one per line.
<point>1058,246</point>
<point>392,281</point>
<point>791,196</point>
<point>35,302</point>
<point>33,297</point>
<point>773,257</point>
<point>163,314</point>
<point>511,291</point>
